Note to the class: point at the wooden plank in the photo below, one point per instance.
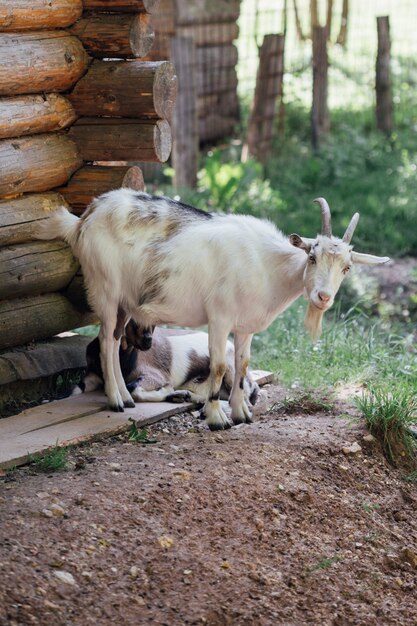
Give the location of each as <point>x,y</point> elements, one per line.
<point>27,115</point>
<point>120,6</point>
<point>33,14</point>
<point>77,419</point>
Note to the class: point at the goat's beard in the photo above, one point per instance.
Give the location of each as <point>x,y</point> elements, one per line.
<point>313,320</point>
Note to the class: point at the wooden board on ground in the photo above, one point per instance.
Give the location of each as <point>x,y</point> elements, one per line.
<point>77,419</point>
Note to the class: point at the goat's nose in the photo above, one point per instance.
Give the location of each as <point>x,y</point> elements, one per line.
<point>323,296</point>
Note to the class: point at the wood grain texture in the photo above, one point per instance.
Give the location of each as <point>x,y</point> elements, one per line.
<point>101,139</point>
<point>33,268</point>
<point>19,217</point>
<point>119,6</point>
<point>91,181</point>
<point>40,61</point>
<point>28,115</point>
<point>119,36</point>
<point>205,11</point>
<point>39,317</point>
<point>120,89</point>
<point>33,14</point>
<point>36,163</point>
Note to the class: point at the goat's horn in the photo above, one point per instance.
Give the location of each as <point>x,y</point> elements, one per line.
<point>326,218</point>
<point>351,228</point>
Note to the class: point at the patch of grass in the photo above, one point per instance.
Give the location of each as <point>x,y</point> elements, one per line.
<point>323,563</point>
<point>389,414</point>
<point>411,477</point>
<point>369,507</point>
<point>139,436</point>
<point>54,460</point>
<point>304,402</point>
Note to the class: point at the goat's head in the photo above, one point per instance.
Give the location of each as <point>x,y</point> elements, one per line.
<point>139,337</point>
<point>329,261</point>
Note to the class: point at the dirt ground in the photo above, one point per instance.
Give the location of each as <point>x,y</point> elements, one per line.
<point>265,524</point>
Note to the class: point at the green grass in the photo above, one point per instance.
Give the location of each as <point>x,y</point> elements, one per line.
<point>139,436</point>
<point>53,460</point>
<point>389,414</point>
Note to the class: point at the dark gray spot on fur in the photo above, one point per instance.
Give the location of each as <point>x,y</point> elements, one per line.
<point>198,368</point>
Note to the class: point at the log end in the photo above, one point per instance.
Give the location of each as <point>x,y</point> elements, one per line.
<point>134,179</point>
<point>165,90</point>
<point>142,35</point>
<point>162,140</point>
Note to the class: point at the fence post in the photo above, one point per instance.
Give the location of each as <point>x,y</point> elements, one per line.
<point>384,105</point>
<point>320,120</point>
<point>184,123</point>
<point>268,88</point>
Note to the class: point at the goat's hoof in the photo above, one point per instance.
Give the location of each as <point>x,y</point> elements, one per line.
<point>129,404</point>
<point>178,397</point>
<point>217,426</point>
<point>117,408</point>
<point>242,419</point>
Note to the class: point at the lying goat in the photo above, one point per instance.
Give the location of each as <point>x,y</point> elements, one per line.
<point>163,262</point>
<point>174,366</point>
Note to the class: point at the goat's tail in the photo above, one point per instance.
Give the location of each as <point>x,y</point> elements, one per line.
<point>60,225</point>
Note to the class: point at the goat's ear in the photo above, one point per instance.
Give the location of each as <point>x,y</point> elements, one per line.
<point>368,259</point>
<point>301,242</point>
<point>123,342</point>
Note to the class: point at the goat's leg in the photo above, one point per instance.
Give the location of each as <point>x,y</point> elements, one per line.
<point>216,418</point>
<point>240,411</point>
<point>110,364</point>
<point>122,318</point>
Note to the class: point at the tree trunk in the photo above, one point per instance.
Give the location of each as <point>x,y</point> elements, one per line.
<point>34,14</point>
<point>268,89</point>
<point>134,89</point>
<point>28,115</point>
<point>384,103</point>
<point>36,163</point>
<point>20,217</point>
<point>100,139</point>
<point>38,317</point>
<point>120,6</point>
<point>185,139</point>
<point>91,181</point>
<point>40,61</point>
<point>320,120</point>
<point>117,36</point>
<point>34,268</point>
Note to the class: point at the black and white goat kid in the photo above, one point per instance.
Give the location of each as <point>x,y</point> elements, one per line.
<point>162,262</point>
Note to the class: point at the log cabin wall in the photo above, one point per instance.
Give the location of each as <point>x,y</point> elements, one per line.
<point>212,24</point>
<point>72,93</point>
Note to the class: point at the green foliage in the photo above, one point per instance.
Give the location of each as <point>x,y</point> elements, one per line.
<point>139,436</point>
<point>324,563</point>
<point>304,402</point>
<point>389,414</point>
<point>53,460</point>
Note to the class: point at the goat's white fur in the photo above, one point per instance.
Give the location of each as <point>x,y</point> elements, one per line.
<point>161,263</point>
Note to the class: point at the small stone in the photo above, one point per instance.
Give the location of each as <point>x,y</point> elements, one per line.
<point>354,448</point>
<point>115,467</point>
<point>225,565</point>
<point>134,572</point>
<point>410,556</point>
<point>87,574</point>
<point>47,513</point>
<point>187,572</point>
<point>344,468</point>
<point>55,491</point>
<point>50,605</point>
<point>42,495</point>
<point>57,510</point>
<point>218,439</point>
<point>369,438</point>
<point>65,577</point>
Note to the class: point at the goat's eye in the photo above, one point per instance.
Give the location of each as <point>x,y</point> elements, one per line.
<point>346,269</point>
<point>312,259</point>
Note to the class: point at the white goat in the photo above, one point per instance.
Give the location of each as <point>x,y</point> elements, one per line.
<point>175,367</point>
<point>163,262</point>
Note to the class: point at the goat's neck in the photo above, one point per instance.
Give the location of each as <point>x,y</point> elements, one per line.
<point>288,274</point>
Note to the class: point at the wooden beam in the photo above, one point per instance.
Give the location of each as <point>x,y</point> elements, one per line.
<point>115,36</point>
<point>120,89</point>
<point>320,119</point>
<point>100,139</point>
<point>36,163</point>
<point>91,181</point>
<point>40,317</point>
<point>28,115</point>
<point>19,217</point>
<point>206,11</point>
<point>33,268</point>
<point>210,34</point>
<point>40,61</point>
<point>120,6</point>
<point>34,14</point>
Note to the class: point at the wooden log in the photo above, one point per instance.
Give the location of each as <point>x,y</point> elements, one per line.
<point>320,119</point>
<point>115,36</point>
<point>28,115</point>
<point>93,180</point>
<point>206,11</point>
<point>185,139</point>
<point>215,126</point>
<point>33,268</point>
<point>216,56</point>
<point>210,34</point>
<point>134,89</point>
<point>40,61</point>
<point>384,102</point>
<point>268,88</point>
<point>100,139</point>
<point>20,217</point>
<point>34,14</point>
<point>214,80</point>
<point>227,102</point>
<point>120,6</point>
<point>36,163</point>
<point>39,317</point>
